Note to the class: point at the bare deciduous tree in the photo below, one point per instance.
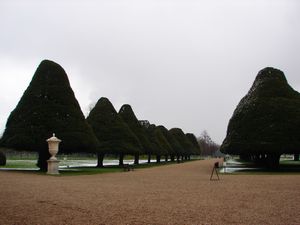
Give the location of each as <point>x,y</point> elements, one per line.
<point>208,146</point>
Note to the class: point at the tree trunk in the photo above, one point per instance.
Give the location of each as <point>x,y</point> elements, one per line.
<point>158,158</point>
<point>42,163</point>
<point>245,157</point>
<point>121,159</point>
<point>178,158</point>
<point>2,159</point>
<point>261,159</point>
<point>100,157</point>
<point>273,161</point>
<point>149,158</point>
<point>296,157</point>
<point>172,158</point>
<point>166,158</point>
<point>136,159</point>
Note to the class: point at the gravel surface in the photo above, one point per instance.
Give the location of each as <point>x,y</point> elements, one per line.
<point>178,194</point>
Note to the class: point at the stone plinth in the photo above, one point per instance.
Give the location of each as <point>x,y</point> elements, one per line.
<point>53,166</point>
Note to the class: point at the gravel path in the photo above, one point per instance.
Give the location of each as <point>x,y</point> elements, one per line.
<point>179,194</point>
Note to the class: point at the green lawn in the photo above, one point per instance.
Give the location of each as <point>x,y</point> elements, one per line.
<point>73,171</point>
<point>20,163</point>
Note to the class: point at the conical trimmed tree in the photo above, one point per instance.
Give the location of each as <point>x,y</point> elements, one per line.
<point>266,122</point>
<point>196,147</point>
<point>175,146</point>
<point>48,106</point>
<point>165,146</point>
<point>128,116</point>
<point>153,147</point>
<point>113,133</point>
<point>184,142</point>
<point>159,142</point>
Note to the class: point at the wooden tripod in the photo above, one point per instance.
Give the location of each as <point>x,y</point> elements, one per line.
<point>215,169</point>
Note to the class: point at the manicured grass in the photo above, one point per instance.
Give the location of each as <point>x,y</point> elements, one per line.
<point>107,169</point>
<point>290,162</point>
<point>20,164</point>
<point>73,171</point>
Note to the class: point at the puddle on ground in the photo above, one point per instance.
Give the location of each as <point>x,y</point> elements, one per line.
<point>235,169</point>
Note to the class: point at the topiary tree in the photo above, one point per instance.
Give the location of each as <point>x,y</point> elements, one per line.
<point>113,133</point>
<point>266,122</point>
<point>159,142</point>
<point>174,145</point>
<point>164,144</point>
<point>187,146</point>
<point>196,150</point>
<point>128,116</point>
<point>48,106</point>
<point>2,159</point>
<point>153,148</point>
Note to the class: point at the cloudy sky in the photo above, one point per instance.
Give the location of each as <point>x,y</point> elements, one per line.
<point>179,63</point>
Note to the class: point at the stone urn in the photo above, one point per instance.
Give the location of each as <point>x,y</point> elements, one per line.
<point>53,144</point>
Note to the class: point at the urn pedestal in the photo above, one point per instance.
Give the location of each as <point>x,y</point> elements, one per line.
<point>53,144</point>
<point>53,167</point>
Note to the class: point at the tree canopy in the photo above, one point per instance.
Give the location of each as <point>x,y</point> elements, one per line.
<point>187,146</point>
<point>48,106</point>
<point>174,144</point>
<point>267,119</point>
<point>207,145</point>
<point>163,142</point>
<point>159,142</point>
<point>196,150</point>
<point>113,133</point>
<point>128,116</point>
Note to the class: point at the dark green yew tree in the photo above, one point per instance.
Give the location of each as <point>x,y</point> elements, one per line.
<point>159,142</point>
<point>196,150</point>
<point>186,145</point>
<point>113,133</point>
<point>165,146</point>
<point>48,106</point>
<point>153,148</point>
<point>175,146</point>
<point>128,116</point>
<point>266,122</point>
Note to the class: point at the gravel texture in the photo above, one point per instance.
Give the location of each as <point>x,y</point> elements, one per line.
<point>178,194</point>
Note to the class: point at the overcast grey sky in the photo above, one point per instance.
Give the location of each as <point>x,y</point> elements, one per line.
<point>179,63</point>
